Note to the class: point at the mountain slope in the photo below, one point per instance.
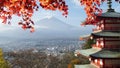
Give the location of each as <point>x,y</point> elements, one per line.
<point>53,23</point>
<point>51,28</point>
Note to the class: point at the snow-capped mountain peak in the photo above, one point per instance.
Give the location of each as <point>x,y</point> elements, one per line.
<point>53,23</point>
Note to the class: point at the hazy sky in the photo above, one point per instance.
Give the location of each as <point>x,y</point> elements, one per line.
<point>75,17</point>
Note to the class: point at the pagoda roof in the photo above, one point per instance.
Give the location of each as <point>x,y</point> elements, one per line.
<point>87,52</point>
<point>107,34</point>
<point>107,54</point>
<point>110,14</point>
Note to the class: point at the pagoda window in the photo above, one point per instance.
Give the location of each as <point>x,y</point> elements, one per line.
<point>97,43</point>
<point>91,37</point>
<point>102,44</point>
<point>102,21</point>
<point>101,62</point>
<point>98,27</point>
<point>90,59</point>
<point>98,62</point>
<point>102,26</point>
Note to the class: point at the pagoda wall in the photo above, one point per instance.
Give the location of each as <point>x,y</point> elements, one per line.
<point>111,63</point>
<point>99,43</point>
<point>106,63</point>
<point>112,27</point>
<point>112,24</point>
<point>108,43</point>
<point>112,43</point>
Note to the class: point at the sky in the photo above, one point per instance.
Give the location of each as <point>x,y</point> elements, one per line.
<point>76,13</point>
<point>75,17</point>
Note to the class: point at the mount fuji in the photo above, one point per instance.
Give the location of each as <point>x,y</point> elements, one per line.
<point>48,28</point>
<point>53,23</point>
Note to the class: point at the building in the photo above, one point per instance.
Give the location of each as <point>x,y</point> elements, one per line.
<point>105,53</point>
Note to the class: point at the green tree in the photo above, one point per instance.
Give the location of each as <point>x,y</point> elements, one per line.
<point>3,62</point>
<point>88,44</point>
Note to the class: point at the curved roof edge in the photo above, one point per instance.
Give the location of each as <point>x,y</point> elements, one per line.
<point>107,54</point>
<point>109,15</point>
<point>107,34</point>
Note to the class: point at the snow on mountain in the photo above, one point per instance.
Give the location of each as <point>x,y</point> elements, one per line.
<point>53,23</point>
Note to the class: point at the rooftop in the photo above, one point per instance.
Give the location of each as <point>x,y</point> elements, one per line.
<point>107,53</point>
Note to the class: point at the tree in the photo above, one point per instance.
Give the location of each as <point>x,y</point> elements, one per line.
<point>88,43</point>
<point>26,8</point>
<point>3,63</point>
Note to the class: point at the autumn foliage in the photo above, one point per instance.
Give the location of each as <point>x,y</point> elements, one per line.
<point>26,8</point>
<point>92,7</point>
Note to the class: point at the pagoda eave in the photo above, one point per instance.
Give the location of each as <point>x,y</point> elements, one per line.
<point>106,34</point>
<point>85,66</point>
<point>107,54</point>
<point>109,15</point>
<point>87,52</point>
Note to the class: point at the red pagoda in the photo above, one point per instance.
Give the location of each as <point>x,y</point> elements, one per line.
<point>105,53</point>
